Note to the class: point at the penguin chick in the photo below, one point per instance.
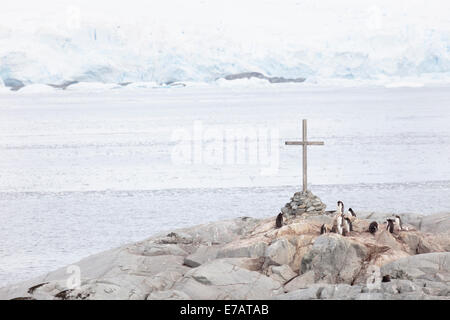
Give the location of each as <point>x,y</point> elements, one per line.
<point>373,227</point>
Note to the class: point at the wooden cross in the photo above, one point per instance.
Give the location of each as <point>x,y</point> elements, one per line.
<point>304,143</point>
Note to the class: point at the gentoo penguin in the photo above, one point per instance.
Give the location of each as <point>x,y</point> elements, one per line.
<point>339,218</point>
<point>373,227</point>
<point>323,229</point>
<point>352,212</point>
<point>390,225</point>
<point>398,222</point>
<point>339,224</point>
<point>345,226</point>
<point>279,221</point>
<point>348,223</point>
<point>340,206</point>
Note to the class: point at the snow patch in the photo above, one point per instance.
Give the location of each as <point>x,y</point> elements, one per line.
<point>93,86</point>
<point>404,84</point>
<point>36,88</point>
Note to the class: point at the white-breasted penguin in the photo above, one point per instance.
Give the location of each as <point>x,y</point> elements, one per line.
<point>340,206</point>
<point>398,221</point>
<point>279,220</point>
<point>339,224</point>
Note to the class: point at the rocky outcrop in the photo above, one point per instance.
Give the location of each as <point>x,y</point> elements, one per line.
<point>427,267</point>
<point>258,75</point>
<point>247,258</point>
<point>424,276</point>
<point>14,84</point>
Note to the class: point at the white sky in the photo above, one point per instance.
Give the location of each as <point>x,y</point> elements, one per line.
<point>317,16</point>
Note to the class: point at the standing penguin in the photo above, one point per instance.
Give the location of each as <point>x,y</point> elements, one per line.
<point>339,217</point>
<point>348,222</point>
<point>373,227</point>
<point>339,224</point>
<point>345,227</point>
<point>323,229</point>
<point>390,225</point>
<point>352,212</point>
<point>398,221</point>
<point>340,206</point>
<point>279,221</point>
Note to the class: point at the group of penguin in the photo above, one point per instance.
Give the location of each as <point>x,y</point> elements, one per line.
<point>342,223</point>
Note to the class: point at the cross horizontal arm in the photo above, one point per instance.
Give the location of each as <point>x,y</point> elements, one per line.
<point>301,143</point>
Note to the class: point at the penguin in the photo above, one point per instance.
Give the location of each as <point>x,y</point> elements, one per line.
<point>373,227</point>
<point>340,206</point>
<point>390,225</point>
<point>345,226</point>
<point>339,224</point>
<point>323,229</point>
<point>279,220</point>
<point>349,223</point>
<point>337,220</point>
<point>352,212</point>
<point>398,221</point>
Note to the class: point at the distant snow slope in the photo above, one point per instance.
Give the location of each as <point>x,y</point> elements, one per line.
<point>199,40</point>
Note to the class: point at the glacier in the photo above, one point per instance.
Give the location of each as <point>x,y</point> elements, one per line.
<point>202,42</point>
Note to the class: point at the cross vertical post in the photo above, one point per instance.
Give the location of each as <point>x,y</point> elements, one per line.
<point>304,143</point>
<point>305,157</point>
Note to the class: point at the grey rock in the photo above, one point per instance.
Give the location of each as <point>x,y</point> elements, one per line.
<point>398,286</point>
<point>248,250</point>
<point>325,292</point>
<point>430,266</point>
<point>201,255</point>
<point>301,282</point>
<point>249,75</point>
<point>168,295</point>
<point>334,259</point>
<point>280,252</point>
<point>219,280</point>
<point>436,223</point>
<point>14,84</point>
<point>283,273</point>
<point>219,232</point>
<point>149,248</point>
